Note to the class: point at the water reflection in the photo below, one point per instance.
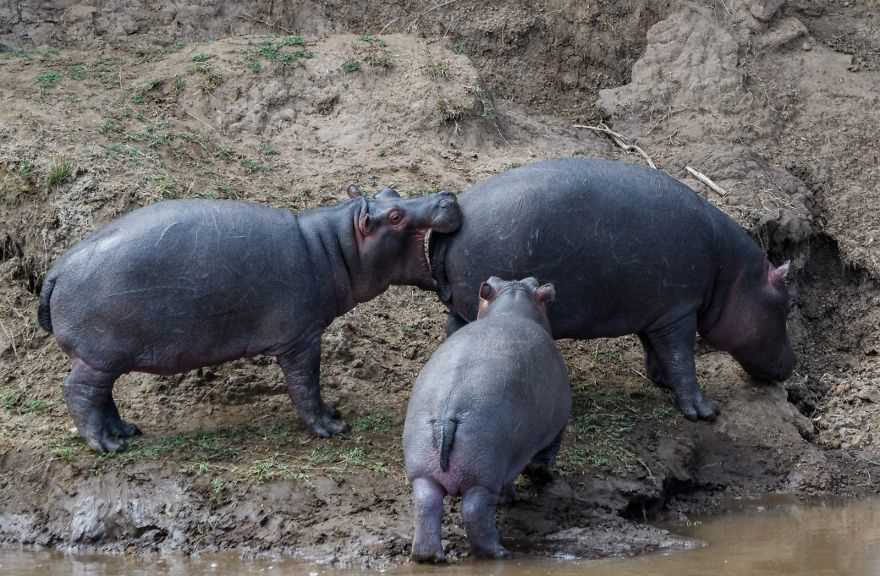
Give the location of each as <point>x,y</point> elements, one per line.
<point>782,540</point>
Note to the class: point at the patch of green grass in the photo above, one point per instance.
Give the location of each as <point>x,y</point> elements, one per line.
<point>33,406</point>
<point>117,150</point>
<point>267,150</point>
<point>66,448</point>
<point>218,485</point>
<point>179,84</point>
<point>322,455</point>
<point>109,126</point>
<point>376,422</point>
<point>211,79</point>
<point>370,39</point>
<point>293,41</point>
<point>291,57</point>
<point>438,70</point>
<point>77,72</point>
<point>201,57</point>
<point>25,168</point>
<point>350,66</point>
<point>269,50</point>
<point>9,399</point>
<point>165,186</point>
<point>60,172</point>
<point>274,51</point>
<point>24,55</point>
<point>48,80</point>
<point>603,434</point>
<point>270,469</point>
<point>255,166</point>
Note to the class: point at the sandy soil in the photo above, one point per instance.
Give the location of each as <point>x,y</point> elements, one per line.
<point>103,110</point>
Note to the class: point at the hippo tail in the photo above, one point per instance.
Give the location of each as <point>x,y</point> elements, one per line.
<point>446,435</point>
<point>44,316</point>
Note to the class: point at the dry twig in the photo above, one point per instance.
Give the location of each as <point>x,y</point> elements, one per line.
<point>707,181</point>
<point>619,139</point>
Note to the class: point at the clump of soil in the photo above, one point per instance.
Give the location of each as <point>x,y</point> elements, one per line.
<point>107,110</point>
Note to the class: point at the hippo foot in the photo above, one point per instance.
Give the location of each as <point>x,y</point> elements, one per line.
<point>538,474</point>
<point>497,552</point>
<point>698,408</point>
<point>108,433</point>
<point>122,429</point>
<point>327,423</point>
<point>428,556</point>
<point>103,441</point>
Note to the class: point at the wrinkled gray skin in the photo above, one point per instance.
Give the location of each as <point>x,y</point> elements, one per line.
<point>630,250</point>
<point>189,283</point>
<point>492,399</point>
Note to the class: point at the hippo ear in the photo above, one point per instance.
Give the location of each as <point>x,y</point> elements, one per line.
<point>388,192</point>
<point>486,292</point>
<point>777,276</point>
<point>546,294</point>
<point>354,191</point>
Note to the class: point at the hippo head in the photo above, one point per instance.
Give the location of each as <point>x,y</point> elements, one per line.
<point>523,297</point>
<point>752,326</point>
<point>393,235</point>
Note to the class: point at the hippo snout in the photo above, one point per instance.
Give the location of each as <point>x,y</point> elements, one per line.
<point>777,371</point>
<point>446,213</point>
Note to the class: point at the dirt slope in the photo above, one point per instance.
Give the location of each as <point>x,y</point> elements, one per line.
<point>114,105</point>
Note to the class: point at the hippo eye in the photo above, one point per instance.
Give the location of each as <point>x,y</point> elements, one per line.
<point>395,216</point>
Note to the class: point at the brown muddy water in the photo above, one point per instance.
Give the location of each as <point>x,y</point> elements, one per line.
<point>767,538</point>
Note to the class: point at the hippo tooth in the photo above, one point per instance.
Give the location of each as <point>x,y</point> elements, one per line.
<point>426,246</point>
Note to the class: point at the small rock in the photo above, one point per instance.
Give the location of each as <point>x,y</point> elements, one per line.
<point>807,45</point>
<point>871,395</point>
<point>764,10</point>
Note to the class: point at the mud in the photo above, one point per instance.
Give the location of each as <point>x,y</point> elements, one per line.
<point>110,106</point>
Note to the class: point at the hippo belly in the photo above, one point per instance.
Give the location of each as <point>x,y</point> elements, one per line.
<point>623,255</point>
<point>182,285</point>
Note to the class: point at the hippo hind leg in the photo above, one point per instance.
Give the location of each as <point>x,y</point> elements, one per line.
<point>540,470</point>
<point>89,397</point>
<point>652,364</point>
<point>670,362</point>
<point>428,505</point>
<point>478,510</point>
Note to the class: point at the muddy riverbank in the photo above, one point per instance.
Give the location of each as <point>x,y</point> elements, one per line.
<point>107,107</point>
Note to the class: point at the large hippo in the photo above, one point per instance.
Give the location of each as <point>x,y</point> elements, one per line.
<point>630,250</point>
<point>188,283</point>
<point>492,399</point>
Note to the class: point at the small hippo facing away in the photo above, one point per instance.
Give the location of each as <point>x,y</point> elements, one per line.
<point>630,250</point>
<point>492,399</point>
<point>189,283</point>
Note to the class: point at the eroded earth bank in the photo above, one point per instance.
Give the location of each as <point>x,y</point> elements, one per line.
<point>112,105</point>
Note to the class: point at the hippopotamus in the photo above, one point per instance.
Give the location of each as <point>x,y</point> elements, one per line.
<point>630,250</point>
<point>493,399</point>
<point>187,283</point>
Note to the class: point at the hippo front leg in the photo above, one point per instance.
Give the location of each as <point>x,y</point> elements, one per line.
<point>454,322</point>
<point>670,362</point>
<point>302,370</point>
